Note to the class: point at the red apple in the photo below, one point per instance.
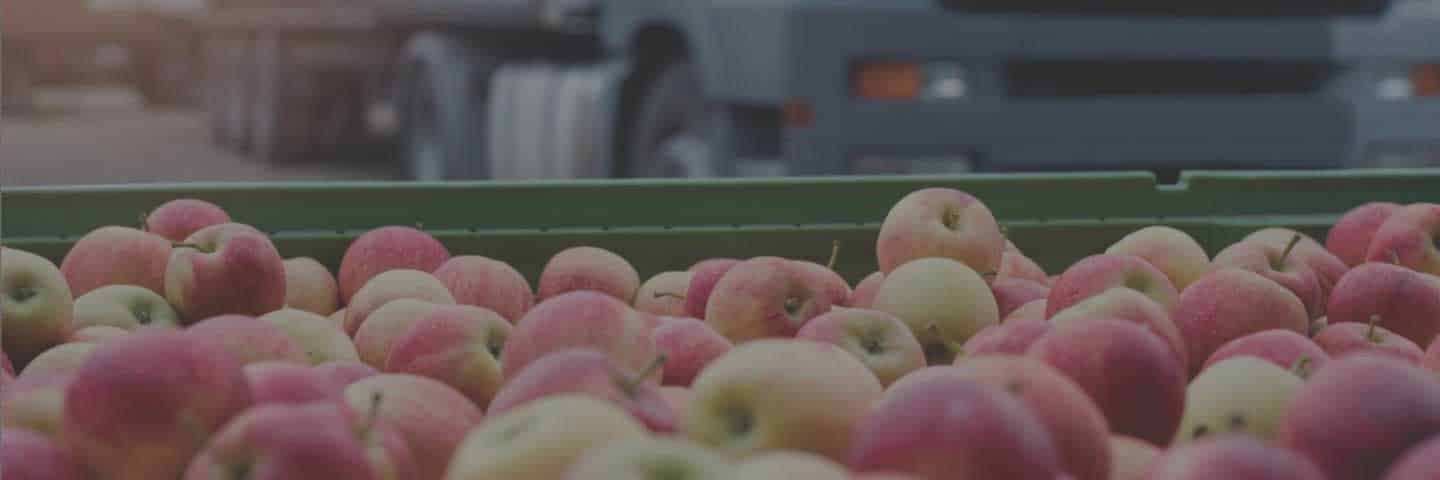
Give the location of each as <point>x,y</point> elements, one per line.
<point>542,440</point>
<point>1349,238</point>
<point>1359,414</point>
<point>290,383</point>
<point>1279,264</point>
<point>116,256</point>
<point>250,339</point>
<point>651,459</point>
<point>940,222</point>
<point>1421,462</point>
<point>935,424</point>
<point>1098,273</point>
<point>346,372</point>
<point>881,342</point>
<point>1327,267</point>
<point>36,307</point>
<point>588,268</point>
<point>1034,310</point>
<point>384,249</point>
<point>1432,356</point>
<point>689,345</point>
<point>1232,457</point>
<point>1130,458</point>
<point>864,294</point>
<point>1131,305</point>
<point>383,327</point>
<point>704,275</point>
<point>1284,348</point>
<point>580,319</point>
<point>1012,293</point>
<point>1172,251</point>
<point>1019,267</point>
<point>225,269</point>
<point>317,440</point>
<point>458,345</point>
<point>142,405</point>
<point>764,297</point>
<point>591,372</point>
<point>432,417</point>
<point>1129,372</point>
<point>1400,299</point>
<point>1231,303</point>
<point>1011,337</point>
<point>309,286</point>
<point>488,283</point>
<point>1347,338</point>
<point>392,285</point>
<point>826,280</point>
<point>177,219</point>
<point>35,403</point>
<point>320,339</point>
<point>27,455</point>
<point>664,294</point>
<point>1408,238</point>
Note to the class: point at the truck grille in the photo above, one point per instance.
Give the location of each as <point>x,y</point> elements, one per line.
<point>1076,78</point>
<point>1186,8</point>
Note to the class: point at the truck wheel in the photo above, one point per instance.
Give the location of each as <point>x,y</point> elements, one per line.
<point>442,105</point>
<point>672,135</point>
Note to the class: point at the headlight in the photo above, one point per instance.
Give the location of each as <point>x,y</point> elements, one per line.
<point>902,80</point>
<point>1420,81</point>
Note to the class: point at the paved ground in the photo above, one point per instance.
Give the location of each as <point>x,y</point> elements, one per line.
<point>101,136</point>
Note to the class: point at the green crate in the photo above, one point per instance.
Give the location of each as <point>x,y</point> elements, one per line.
<point>670,224</point>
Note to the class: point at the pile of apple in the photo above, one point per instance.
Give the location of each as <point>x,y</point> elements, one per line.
<point>191,349</point>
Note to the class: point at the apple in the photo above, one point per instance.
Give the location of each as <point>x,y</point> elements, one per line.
<point>142,405</point>
<point>1129,372</point>
<point>1241,395</point>
<point>35,305</point>
<point>1347,338</point>
<point>320,339</point>
<point>1408,238</point>
<point>250,339</point>
<point>1130,457</point>
<point>1233,456</point>
<point>881,342</point>
<point>116,256</point>
<point>309,286</point>
<point>943,301</point>
<point>588,268</point>
<point>1421,462</point>
<point>346,371</point>
<point>338,318</point>
<point>1131,305</point>
<point>98,334</point>
<point>863,296</point>
<point>704,275</point>
<point>1359,414</point>
<point>1017,266</point>
<point>1172,251</point>
<point>1076,426</point>
<point>124,306</point>
<point>1014,337</point>
<point>825,280</point>
<point>782,465</point>
<point>764,297</point>
<point>27,455</point>
<point>1432,356</point>
<point>386,324</point>
<point>317,440</point>
<point>664,294</point>
<point>1034,310</point>
<point>1279,264</point>
<point>458,345</point>
<point>541,440</point>
<point>36,403</point>
<point>177,219</point>
<point>1399,299</point>
<point>431,416</point>
<point>290,383</point>
<point>1097,273</point>
<point>387,248</point>
<point>1012,293</point>
<point>1327,267</point>
<point>592,372</point>
<point>1349,238</point>
<point>773,394</point>
<point>488,283</point>
<point>1284,348</point>
<point>225,269</point>
<point>935,424</point>
<point>60,360</point>
<point>651,459</point>
<point>1231,303</point>
<point>580,319</point>
<point>689,345</point>
<point>678,397</point>
<point>392,285</point>
<point>940,222</point>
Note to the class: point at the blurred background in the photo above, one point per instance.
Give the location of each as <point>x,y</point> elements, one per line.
<point>127,91</point>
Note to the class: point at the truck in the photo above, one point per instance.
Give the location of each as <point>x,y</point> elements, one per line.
<point>525,89</point>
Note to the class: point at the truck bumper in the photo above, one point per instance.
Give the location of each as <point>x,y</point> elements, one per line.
<point>994,128</point>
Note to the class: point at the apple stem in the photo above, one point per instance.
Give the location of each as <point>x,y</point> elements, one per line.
<point>420,226</point>
<point>1289,247</point>
<point>372,416</point>
<point>1370,333</point>
<point>634,382</point>
<point>1394,257</point>
<point>1301,366</point>
<point>834,254</point>
<point>669,295</point>
<point>143,217</point>
<point>990,274</point>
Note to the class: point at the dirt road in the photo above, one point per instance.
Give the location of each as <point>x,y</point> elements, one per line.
<point>101,136</point>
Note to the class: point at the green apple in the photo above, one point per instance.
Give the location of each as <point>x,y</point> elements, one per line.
<point>943,301</point>
<point>124,306</point>
<point>35,304</point>
<point>652,459</point>
<point>542,439</point>
<point>1243,394</point>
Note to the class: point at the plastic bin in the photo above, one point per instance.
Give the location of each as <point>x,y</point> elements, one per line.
<point>670,224</point>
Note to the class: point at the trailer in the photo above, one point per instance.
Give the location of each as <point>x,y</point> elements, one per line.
<point>525,89</point>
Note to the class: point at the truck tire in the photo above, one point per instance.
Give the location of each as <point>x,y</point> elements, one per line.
<point>441,99</point>
<point>673,134</point>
